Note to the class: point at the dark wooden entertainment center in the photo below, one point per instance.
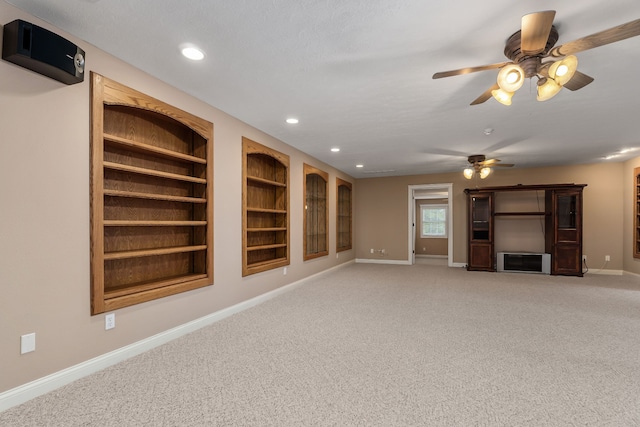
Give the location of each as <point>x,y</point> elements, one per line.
<point>563,226</point>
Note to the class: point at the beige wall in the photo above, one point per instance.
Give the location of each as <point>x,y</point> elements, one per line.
<point>385,201</point>
<point>44,227</point>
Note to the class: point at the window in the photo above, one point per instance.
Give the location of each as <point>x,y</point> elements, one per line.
<point>434,221</point>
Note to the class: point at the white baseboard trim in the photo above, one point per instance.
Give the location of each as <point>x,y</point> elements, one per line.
<point>607,272</point>
<point>398,262</point>
<point>382,261</point>
<point>431,256</point>
<point>630,273</point>
<point>28,391</point>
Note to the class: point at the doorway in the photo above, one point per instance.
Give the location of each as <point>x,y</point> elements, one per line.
<point>430,192</point>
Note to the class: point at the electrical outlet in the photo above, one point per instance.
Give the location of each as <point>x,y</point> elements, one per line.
<point>284,271</point>
<point>607,258</point>
<point>109,321</point>
<point>584,258</point>
<point>371,250</point>
<point>28,343</point>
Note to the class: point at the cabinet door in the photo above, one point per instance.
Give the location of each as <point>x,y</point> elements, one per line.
<point>567,244</point>
<point>480,257</point>
<point>480,249</point>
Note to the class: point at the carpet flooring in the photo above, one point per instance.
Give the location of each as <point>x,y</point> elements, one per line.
<point>385,345</point>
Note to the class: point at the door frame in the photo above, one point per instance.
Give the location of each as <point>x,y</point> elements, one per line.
<point>414,194</point>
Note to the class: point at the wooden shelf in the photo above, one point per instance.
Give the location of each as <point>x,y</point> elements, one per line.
<point>139,146</point>
<point>277,211</point>
<point>257,230</point>
<point>152,172</point>
<point>152,252</point>
<point>269,264</point>
<point>263,247</point>
<point>138,195</point>
<point>128,223</point>
<point>147,286</point>
<point>266,181</point>
<point>151,198</point>
<point>519,213</point>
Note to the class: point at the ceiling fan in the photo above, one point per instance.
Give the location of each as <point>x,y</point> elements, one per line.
<point>534,42</point>
<point>481,166</point>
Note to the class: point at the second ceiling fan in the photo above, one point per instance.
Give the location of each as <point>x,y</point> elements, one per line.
<point>534,42</point>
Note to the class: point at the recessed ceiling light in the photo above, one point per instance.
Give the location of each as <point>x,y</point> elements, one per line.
<point>335,149</point>
<point>292,120</point>
<point>359,166</point>
<point>193,53</point>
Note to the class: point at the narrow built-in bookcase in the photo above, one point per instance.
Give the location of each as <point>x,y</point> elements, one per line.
<point>636,213</point>
<point>265,208</point>
<point>343,215</point>
<point>151,198</point>
<point>316,213</point>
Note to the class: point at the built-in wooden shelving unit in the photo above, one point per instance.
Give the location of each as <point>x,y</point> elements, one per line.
<point>265,208</point>
<point>344,212</point>
<point>636,213</point>
<point>316,213</point>
<point>151,198</point>
<point>563,225</point>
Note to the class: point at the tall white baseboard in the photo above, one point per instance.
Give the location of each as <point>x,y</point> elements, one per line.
<point>26,392</point>
<point>607,272</point>
<point>382,261</point>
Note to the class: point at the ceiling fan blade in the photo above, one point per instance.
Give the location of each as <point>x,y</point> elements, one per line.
<point>612,35</point>
<point>469,70</point>
<point>485,96</point>
<point>578,81</point>
<point>490,162</point>
<point>535,29</point>
<point>503,165</point>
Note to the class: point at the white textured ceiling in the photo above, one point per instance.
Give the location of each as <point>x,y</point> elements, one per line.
<point>357,73</point>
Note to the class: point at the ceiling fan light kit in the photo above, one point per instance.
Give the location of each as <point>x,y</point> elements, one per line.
<point>547,89</point>
<point>534,42</point>
<point>468,173</point>
<point>480,166</point>
<point>563,70</point>
<point>511,77</point>
<point>482,172</point>
<point>502,96</point>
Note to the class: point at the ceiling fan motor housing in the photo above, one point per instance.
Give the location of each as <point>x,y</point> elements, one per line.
<point>529,63</point>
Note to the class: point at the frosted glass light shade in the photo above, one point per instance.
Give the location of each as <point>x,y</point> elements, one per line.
<point>502,96</point>
<point>548,90</point>
<point>484,172</point>
<point>468,173</point>
<point>511,78</point>
<point>562,71</point>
